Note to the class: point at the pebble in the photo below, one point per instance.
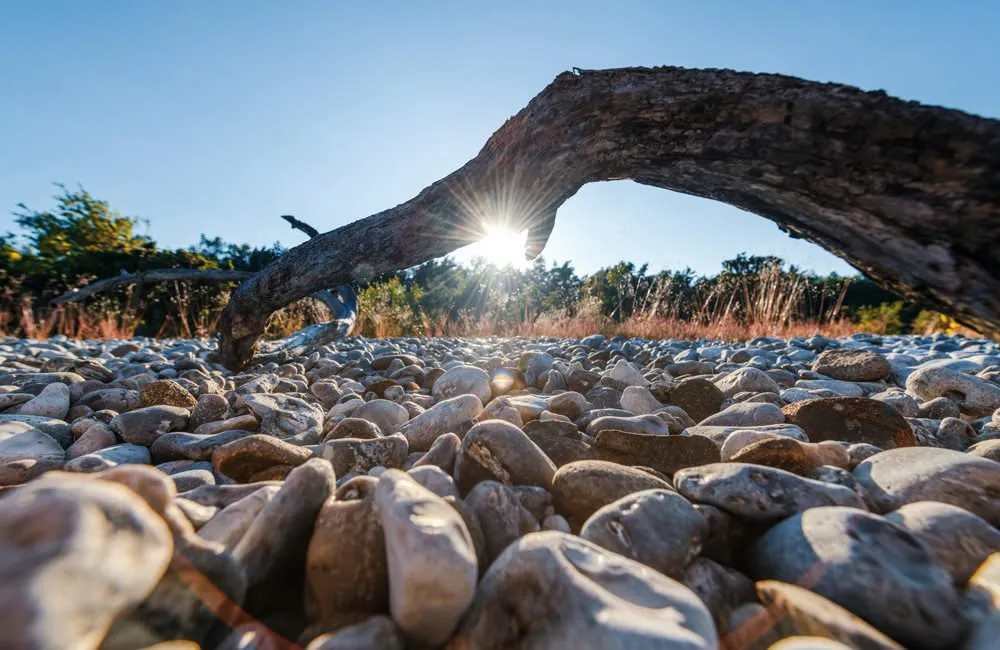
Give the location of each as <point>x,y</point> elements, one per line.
<point>658,528</point>
<point>851,419</point>
<point>896,477</point>
<point>88,537</point>
<point>861,562</point>
<point>759,493</point>
<point>495,450</point>
<point>454,415</point>
<point>430,557</point>
<point>582,487</point>
<point>553,590</point>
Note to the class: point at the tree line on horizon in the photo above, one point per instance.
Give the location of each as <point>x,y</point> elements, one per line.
<point>81,239</point>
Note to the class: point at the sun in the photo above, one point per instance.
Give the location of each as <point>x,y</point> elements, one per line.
<point>502,247</point>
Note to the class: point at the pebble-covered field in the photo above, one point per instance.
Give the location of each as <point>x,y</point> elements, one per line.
<point>502,493</point>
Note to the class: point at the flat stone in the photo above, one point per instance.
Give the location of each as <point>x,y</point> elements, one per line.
<point>119,400</point>
<point>431,559</point>
<point>759,493</point>
<point>356,455</point>
<point>88,537</point>
<point>560,441</point>
<point>800,611</point>
<point>852,365</point>
<point>665,454</point>
<point>26,452</point>
<point>244,457</point>
<point>143,426</point>
<point>896,477</point>
<point>826,548</point>
<point>639,400</point>
<point>851,419</point>
<point>374,632</point>
<point>346,566</point>
<point>179,445</point>
<point>746,414</point>
<point>581,488</point>
<point>52,402</point>
<point>658,528</point>
<point>746,380</point>
<point>635,424</point>
<point>123,454</point>
<point>552,590</point>
<point>286,417</point>
<point>244,422</point>
<point>499,451</point>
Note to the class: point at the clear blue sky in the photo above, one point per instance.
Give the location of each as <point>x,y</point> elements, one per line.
<point>216,116</point>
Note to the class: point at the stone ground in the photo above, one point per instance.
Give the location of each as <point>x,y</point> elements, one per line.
<point>502,493</point>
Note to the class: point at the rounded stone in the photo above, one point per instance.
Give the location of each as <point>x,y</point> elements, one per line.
<point>166,392</point>
<point>553,590</point>
<point>658,528</point>
<point>455,415</point>
<point>581,488</point>
<point>862,562</point>
<point>759,493</point>
<point>959,540</point>
<point>497,450</point>
<point>462,380</point>
<point>852,365</point>
<point>851,420</point>
<point>241,459</point>
<point>974,395</point>
<point>896,477</point>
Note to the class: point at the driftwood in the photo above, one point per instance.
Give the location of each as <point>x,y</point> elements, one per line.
<point>909,194</point>
<point>156,275</point>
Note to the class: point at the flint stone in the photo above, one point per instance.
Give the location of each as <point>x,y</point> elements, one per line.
<point>800,612</point>
<point>759,493</point>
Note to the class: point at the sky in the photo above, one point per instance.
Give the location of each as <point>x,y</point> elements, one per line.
<point>216,116</point>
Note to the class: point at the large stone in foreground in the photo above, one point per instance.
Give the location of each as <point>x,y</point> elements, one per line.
<point>553,590</point>
<point>896,477</point>
<point>431,558</point>
<point>871,567</point>
<point>74,554</point>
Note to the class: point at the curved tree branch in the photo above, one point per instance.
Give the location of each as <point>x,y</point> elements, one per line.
<point>156,275</point>
<point>907,193</point>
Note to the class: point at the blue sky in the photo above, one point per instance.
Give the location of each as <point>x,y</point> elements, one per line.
<point>217,116</point>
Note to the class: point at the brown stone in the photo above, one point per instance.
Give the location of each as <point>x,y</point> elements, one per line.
<point>243,459</point>
<point>698,397</point>
<point>665,454</point>
<point>782,453</point>
<point>851,419</point>
<point>166,392</point>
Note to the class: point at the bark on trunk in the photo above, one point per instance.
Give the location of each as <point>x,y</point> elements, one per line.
<point>909,194</point>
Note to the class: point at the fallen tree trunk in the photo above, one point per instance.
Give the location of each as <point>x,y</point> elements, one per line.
<point>909,194</point>
<point>156,275</point>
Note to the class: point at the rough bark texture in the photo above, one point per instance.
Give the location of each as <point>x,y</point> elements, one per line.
<point>156,275</point>
<point>907,193</point>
